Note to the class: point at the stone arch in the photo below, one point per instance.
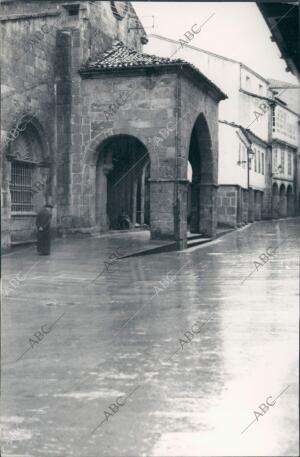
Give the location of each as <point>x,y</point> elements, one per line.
<point>117,168</point>
<point>290,201</point>
<point>201,206</point>
<point>29,174</point>
<point>282,201</point>
<point>30,147</point>
<point>275,201</point>
<point>29,126</point>
<point>90,154</point>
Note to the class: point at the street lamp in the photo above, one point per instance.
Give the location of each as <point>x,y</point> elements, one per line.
<point>250,154</point>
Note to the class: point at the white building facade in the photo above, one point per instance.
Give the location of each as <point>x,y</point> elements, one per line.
<point>285,161</point>
<point>246,137</point>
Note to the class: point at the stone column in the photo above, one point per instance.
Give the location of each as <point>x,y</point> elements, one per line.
<point>195,193</point>
<point>239,206</point>
<point>208,209</point>
<point>245,206</point>
<point>161,209</point>
<point>266,209</point>
<point>283,205</point>
<point>290,205</point>
<point>133,199</point>
<point>275,206</point>
<point>168,211</point>
<point>142,217</point>
<point>251,205</point>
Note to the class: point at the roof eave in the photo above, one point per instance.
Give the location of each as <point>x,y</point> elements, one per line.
<point>93,72</point>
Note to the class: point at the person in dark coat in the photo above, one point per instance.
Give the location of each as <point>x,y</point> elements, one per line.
<point>43,221</point>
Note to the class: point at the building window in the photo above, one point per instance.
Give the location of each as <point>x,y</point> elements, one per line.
<point>255,160</point>
<point>240,158</point>
<point>262,163</point>
<point>273,119</point>
<point>259,168</point>
<point>289,163</point>
<point>21,187</point>
<point>282,160</point>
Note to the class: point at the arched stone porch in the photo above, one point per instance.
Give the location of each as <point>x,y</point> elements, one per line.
<point>158,106</point>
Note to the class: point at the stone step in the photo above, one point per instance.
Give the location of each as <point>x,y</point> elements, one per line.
<point>167,247</point>
<point>197,241</point>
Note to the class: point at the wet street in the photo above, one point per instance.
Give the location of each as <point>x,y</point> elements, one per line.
<point>191,353</point>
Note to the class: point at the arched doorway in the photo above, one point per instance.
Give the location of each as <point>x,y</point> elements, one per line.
<point>200,196</point>
<point>290,201</point>
<point>122,189</point>
<point>30,179</point>
<point>275,201</point>
<point>282,201</point>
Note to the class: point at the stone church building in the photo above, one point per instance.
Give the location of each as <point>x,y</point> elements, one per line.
<point>99,129</point>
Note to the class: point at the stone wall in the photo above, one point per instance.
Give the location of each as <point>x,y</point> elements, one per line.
<point>27,88</point>
<point>227,202</point>
<point>44,47</point>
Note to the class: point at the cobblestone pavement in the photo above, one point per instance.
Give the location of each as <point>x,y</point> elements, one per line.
<point>104,366</point>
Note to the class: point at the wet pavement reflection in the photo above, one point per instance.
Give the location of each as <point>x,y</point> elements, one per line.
<point>124,353</point>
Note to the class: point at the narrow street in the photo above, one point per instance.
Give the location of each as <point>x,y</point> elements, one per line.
<point>117,376</point>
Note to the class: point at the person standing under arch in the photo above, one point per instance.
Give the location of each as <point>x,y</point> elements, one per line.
<point>43,223</point>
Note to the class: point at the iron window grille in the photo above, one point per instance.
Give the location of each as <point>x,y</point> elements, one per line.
<point>21,187</point>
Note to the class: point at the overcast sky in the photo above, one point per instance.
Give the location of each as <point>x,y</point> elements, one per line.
<point>236,30</point>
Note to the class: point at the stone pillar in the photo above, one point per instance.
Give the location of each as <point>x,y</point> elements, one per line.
<point>142,217</point>
<point>168,211</point>
<point>208,209</point>
<point>283,206</point>
<point>275,206</point>
<point>245,206</point>
<point>180,214</point>
<point>251,205</point>
<point>194,224</point>
<point>133,199</point>
<point>266,209</point>
<point>161,209</point>
<point>290,205</point>
<point>258,203</point>
<point>239,206</point>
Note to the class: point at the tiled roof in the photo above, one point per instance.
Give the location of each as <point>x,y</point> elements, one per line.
<point>120,57</point>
